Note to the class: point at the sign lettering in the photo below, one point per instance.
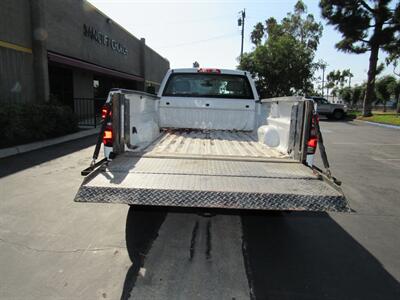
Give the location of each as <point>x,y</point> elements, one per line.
<point>104,39</point>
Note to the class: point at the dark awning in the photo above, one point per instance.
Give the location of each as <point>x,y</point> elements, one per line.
<point>76,63</point>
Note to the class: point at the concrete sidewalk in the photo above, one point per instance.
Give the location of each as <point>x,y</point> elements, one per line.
<point>41,144</point>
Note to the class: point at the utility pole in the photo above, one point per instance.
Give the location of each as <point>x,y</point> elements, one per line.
<point>241,23</point>
<point>323,65</point>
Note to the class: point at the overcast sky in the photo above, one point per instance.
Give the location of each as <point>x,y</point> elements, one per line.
<point>206,31</point>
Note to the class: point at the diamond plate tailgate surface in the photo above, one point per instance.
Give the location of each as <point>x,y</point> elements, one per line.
<point>188,182</point>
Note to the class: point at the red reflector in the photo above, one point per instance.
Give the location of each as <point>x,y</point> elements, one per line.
<point>312,145</point>
<point>313,139</point>
<point>209,70</point>
<point>312,142</point>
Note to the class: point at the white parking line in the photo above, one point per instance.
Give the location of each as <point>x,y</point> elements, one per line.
<point>390,159</point>
<point>383,125</point>
<point>366,144</point>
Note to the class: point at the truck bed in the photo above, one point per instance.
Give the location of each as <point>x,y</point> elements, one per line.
<point>209,143</point>
<point>211,169</point>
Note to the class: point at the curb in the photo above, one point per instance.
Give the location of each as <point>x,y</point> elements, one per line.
<point>42,144</point>
<point>380,124</point>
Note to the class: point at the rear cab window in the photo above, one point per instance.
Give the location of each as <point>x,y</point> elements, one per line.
<point>208,86</point>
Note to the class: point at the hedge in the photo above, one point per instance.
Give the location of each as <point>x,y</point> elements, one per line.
<point>23,123</point>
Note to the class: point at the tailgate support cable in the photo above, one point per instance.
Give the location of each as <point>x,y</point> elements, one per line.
<point>323,151</point>
<point>99,140</point>
<point>327,173</point>
<point>96,152</point>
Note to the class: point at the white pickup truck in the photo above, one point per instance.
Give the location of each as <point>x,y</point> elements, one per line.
<point>207,140</point>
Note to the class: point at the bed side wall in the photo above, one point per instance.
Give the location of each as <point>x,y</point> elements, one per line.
<point>142,112</point>
<point>277,121</point>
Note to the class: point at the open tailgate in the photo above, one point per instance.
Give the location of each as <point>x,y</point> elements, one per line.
<point>213,183</point>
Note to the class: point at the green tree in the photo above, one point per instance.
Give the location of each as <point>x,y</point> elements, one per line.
<point>346,94</point>
<point>281,67</point>
<point>394,48</point>
<point>336,80</point>
<point>283,63</point>
<point>257,34</point>
<point>395,90</point>
<point>347,75</point>
<point>383,88</point>
<point>366,26</point>
<point>303,26</point>
<point>358,92</point>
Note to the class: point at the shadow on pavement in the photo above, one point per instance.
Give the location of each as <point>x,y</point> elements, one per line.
<point>309,256</point>
<point>19,162</point>
<point>142,225</point>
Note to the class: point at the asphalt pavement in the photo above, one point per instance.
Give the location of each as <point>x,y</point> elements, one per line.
<point>53,248</point>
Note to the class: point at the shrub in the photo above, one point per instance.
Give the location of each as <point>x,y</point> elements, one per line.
<point>30,122</point>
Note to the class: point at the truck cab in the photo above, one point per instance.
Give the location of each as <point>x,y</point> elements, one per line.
<point>207,98</point>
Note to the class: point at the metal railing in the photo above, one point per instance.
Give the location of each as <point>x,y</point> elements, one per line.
<point>88,111</point>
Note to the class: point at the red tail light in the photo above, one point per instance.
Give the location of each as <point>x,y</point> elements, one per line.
<point>108,136</point>
<point>313,138</point>
<point>105,110</point>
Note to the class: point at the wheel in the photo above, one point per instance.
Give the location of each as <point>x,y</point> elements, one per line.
<point>142,225</point>
<point>338,114</point>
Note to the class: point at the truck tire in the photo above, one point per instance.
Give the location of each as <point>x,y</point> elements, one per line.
<point>142,225</point>
<point>338,114</point>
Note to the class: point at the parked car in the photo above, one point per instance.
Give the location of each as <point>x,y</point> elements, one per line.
<point>331,110</point>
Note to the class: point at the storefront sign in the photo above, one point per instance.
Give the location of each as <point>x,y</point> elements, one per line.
<point>104,39</point>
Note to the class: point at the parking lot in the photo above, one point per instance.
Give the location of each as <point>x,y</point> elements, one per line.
<point>53,248</point>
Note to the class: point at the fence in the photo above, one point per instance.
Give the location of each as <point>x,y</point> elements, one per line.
<point>88,111</point>
<point>389,108</point>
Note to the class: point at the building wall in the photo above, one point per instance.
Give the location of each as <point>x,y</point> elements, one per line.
<point>83,84</point>
<point>16,61</point>
<point>15,22</point>
<point>156,68</point>
<point>16,76</point>
<point>83,88</point>
<point>65,25</point>
<point>64,29</point>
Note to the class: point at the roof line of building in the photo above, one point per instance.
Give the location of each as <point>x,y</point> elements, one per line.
<point>121,27</point>
<point>107,17</point>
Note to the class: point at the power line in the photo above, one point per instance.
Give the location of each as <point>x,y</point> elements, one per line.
<point>199,41</point>
<point>187,21</point>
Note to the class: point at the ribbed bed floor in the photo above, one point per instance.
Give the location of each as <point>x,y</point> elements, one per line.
<point>211,143</point>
